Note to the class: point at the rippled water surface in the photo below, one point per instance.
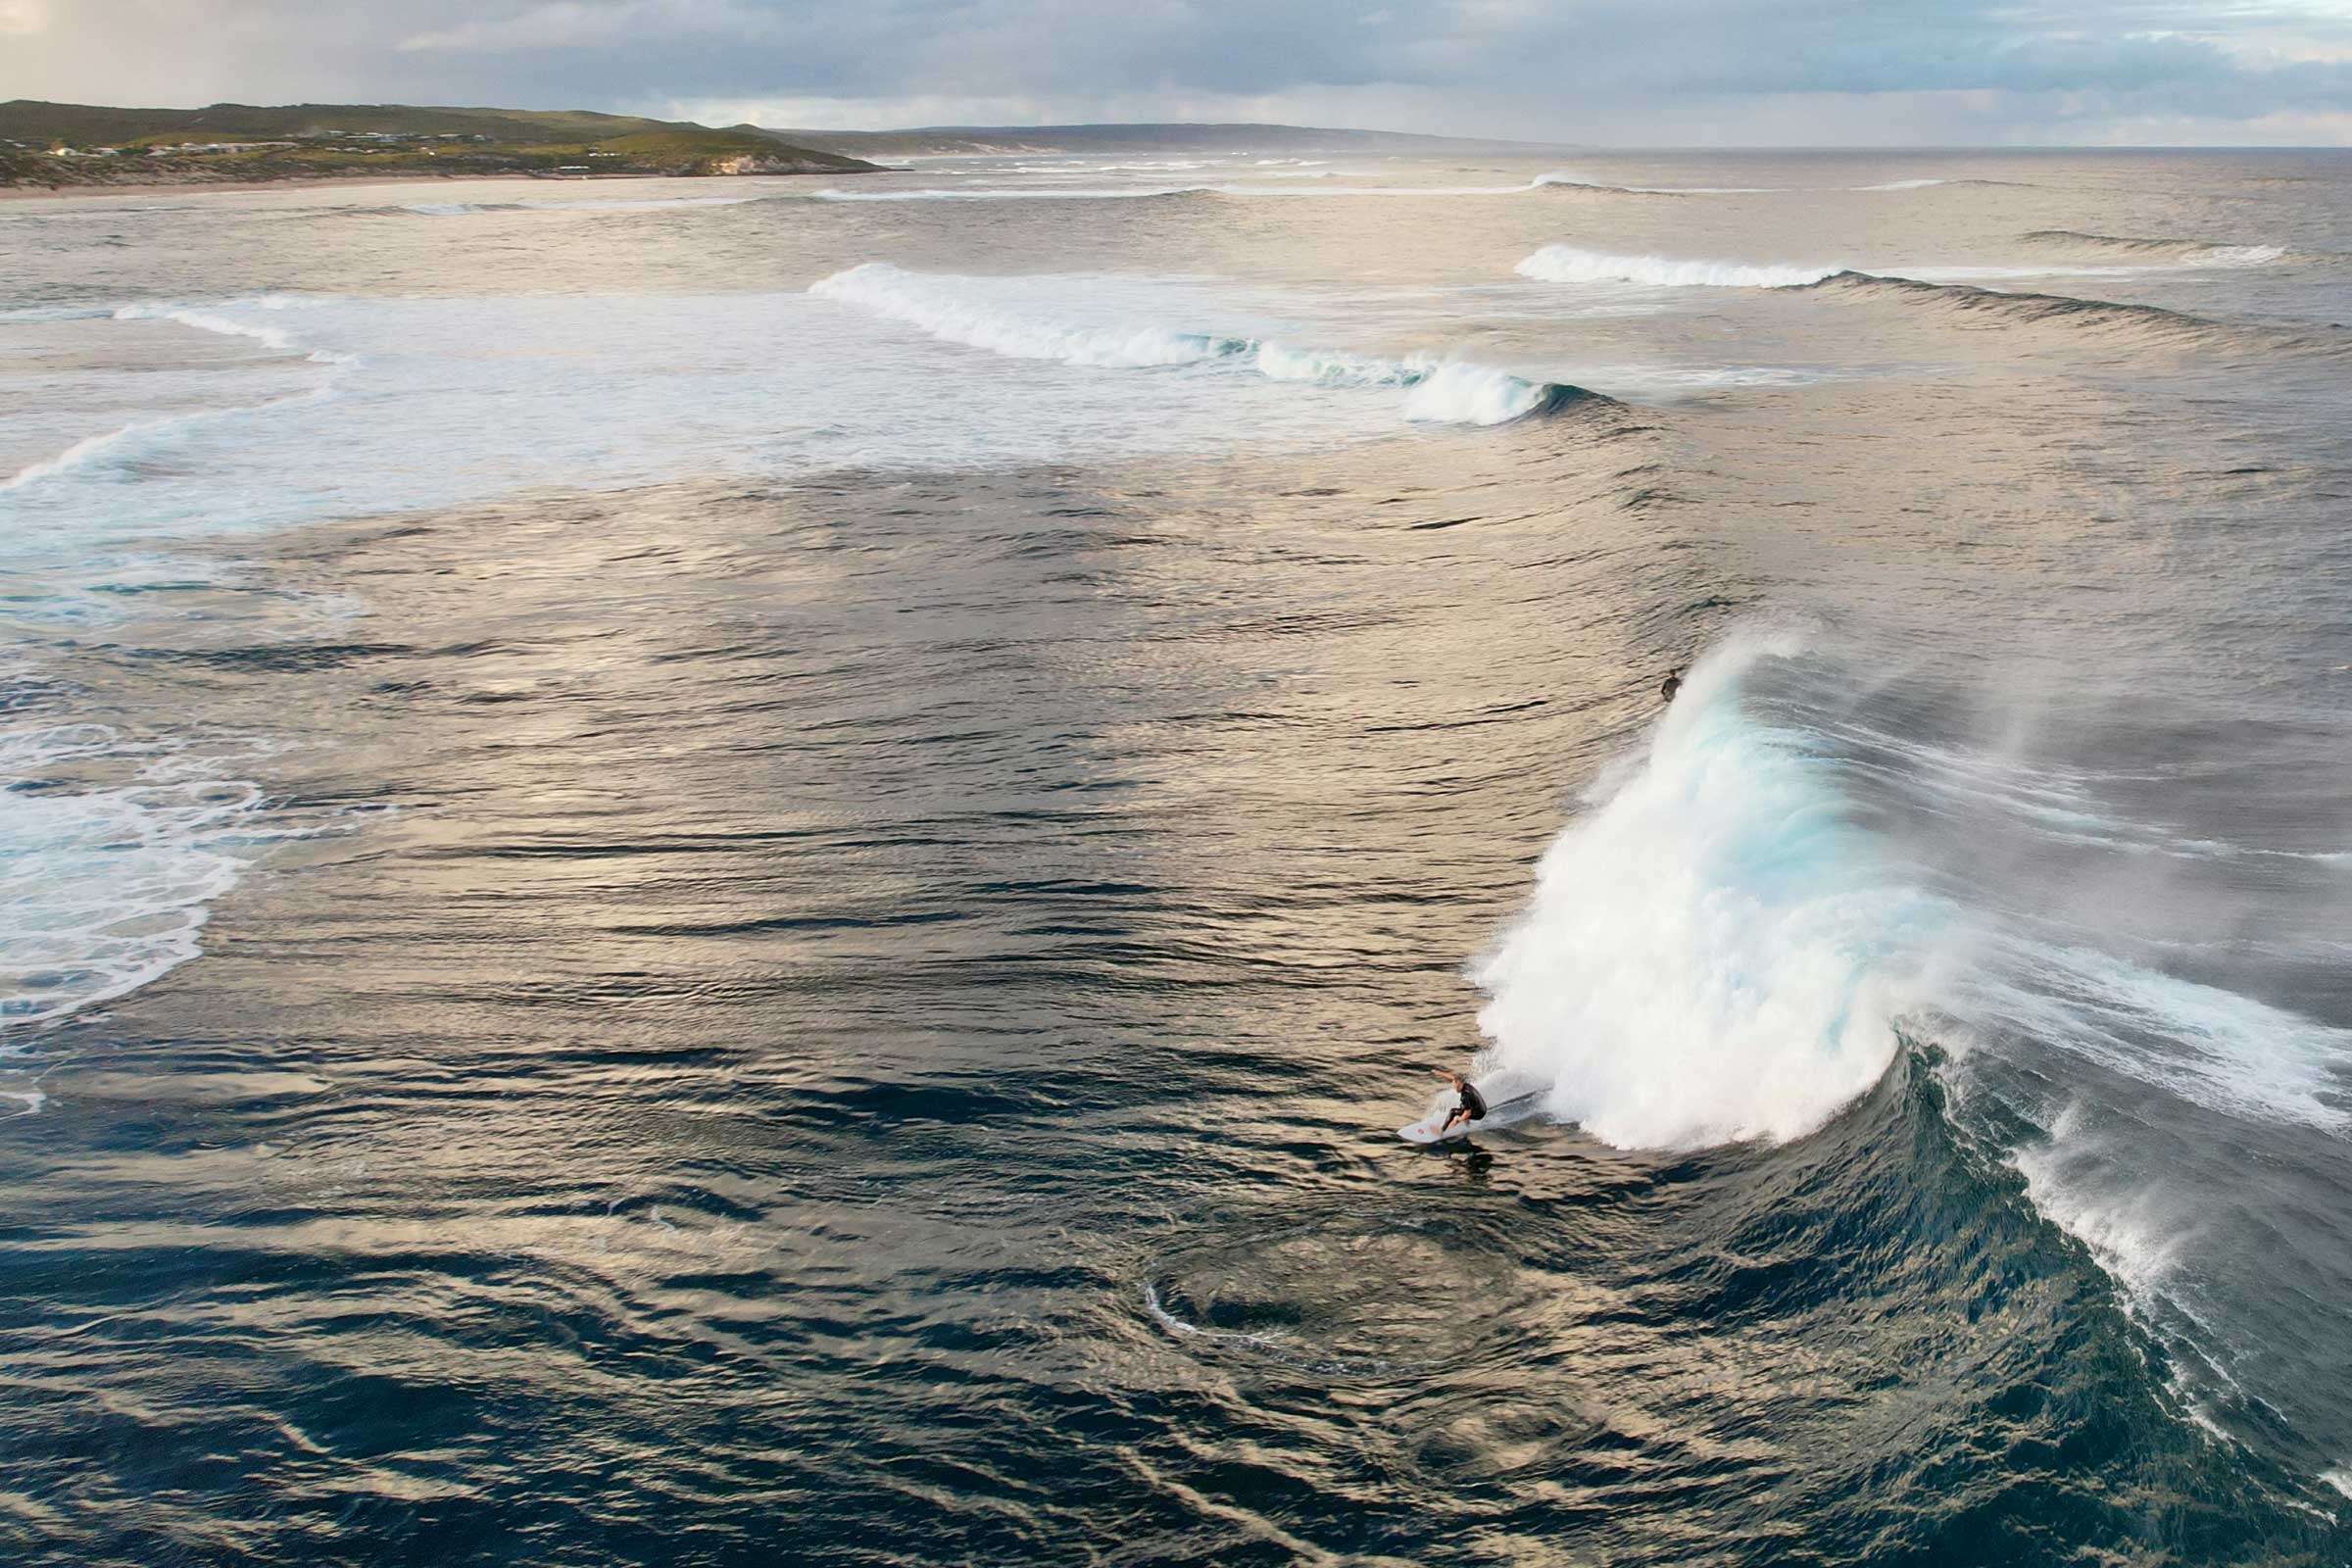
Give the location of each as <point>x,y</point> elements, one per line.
<point>730,872</point>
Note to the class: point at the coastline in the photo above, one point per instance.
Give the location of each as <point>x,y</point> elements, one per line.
<point>185,187</point>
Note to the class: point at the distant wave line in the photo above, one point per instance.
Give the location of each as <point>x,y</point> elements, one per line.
<point>1437,391</point>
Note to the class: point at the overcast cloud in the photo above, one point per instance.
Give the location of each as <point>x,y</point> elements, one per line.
<point>1617,72</point>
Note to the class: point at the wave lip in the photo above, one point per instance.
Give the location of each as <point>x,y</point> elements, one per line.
<point>2188,252</point>
<point>72,457</point>
<point>1566,264</point>
<point>2152,322</point>
<point>210,320</point>
<point>1437,391</point>
<point>1564,180</point>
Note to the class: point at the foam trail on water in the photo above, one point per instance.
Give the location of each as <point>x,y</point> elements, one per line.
<point>1566,264</point>
<point>275,337</point>
<point>212,320</point>
<point>1713,951</point>
<point>1439,391</point>
<point>104,890</point>
<point>939,308</point>
<point>129,437</point>
<point>72,457</point>
<point>1573,181</point>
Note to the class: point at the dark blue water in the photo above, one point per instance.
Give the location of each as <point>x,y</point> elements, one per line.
<point>653,918</point>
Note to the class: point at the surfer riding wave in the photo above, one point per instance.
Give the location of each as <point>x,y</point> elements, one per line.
<point>1473,1106</point>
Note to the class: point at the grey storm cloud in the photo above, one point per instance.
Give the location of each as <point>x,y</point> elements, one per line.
<point>1510,65</point>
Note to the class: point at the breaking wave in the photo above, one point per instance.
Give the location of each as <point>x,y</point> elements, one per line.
<point>1554,181</point>
<point>2152,322</point>
<point>1436,391</point>
<point>112,884</point>
<point>1566,264</point>
<point>1009,193</point>
<point>2191,252</point>
<point>1563,180</point>
<point>1944,289</point>
<point>202,319</point>
<point>1923,184</point>
<point>1714,951</point>
<point>130,437</point>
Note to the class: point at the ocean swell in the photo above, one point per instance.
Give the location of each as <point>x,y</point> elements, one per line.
<point>2151,323</point>
<point>2184,252</point>
<point>1437,391</point>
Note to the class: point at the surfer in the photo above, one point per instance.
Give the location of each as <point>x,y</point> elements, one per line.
<point>1473,1106</point>
<point>1674,683</point>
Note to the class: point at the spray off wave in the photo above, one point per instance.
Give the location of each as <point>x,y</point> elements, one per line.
<point>1714,951</point>
<point>1436,391</point>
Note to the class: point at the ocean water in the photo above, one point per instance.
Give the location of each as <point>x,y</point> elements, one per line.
<point>729,873</point>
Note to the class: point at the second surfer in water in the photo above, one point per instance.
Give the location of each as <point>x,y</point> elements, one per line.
<point>1473,1106</point>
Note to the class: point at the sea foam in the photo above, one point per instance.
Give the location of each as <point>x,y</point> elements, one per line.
<point>1713,951</point>
<point>1566,264</point>
<point>951,308</point>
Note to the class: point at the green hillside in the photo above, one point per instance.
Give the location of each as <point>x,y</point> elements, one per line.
<point>84,145</point>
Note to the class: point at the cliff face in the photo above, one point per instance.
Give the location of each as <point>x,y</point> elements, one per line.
<point>780,163</point>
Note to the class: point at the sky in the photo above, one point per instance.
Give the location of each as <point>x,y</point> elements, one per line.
<point>1623,73</point>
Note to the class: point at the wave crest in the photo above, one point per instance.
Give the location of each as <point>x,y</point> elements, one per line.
<point>1714,951</point>
<point>2192,251</point>
<point>1566,264</point>
<point>1439,391</point>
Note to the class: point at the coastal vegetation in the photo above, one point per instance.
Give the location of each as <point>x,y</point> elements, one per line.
<point>58,145</point>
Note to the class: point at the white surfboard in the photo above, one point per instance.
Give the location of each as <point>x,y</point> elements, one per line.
<point>1510,1097</point>
<point>1428,1130</point>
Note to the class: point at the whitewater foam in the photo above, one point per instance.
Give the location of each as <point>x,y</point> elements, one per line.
<point>1713,951</point>
<point>1008,193</point>
<point>1042,192</point>
<point>71,456</point>
<point>1565,179</point>
<point>2214,1047</point>
<point>2184,252</point>
<point>211,319</point>
<point>945,307</point>
<point>203,321</point>
<point>127,439</point>
<point>1566,264</point>
<point>107,888</point>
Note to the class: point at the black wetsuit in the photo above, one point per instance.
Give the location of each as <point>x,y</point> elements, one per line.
<point>1473,1101</point>
<point>1674,683</point>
